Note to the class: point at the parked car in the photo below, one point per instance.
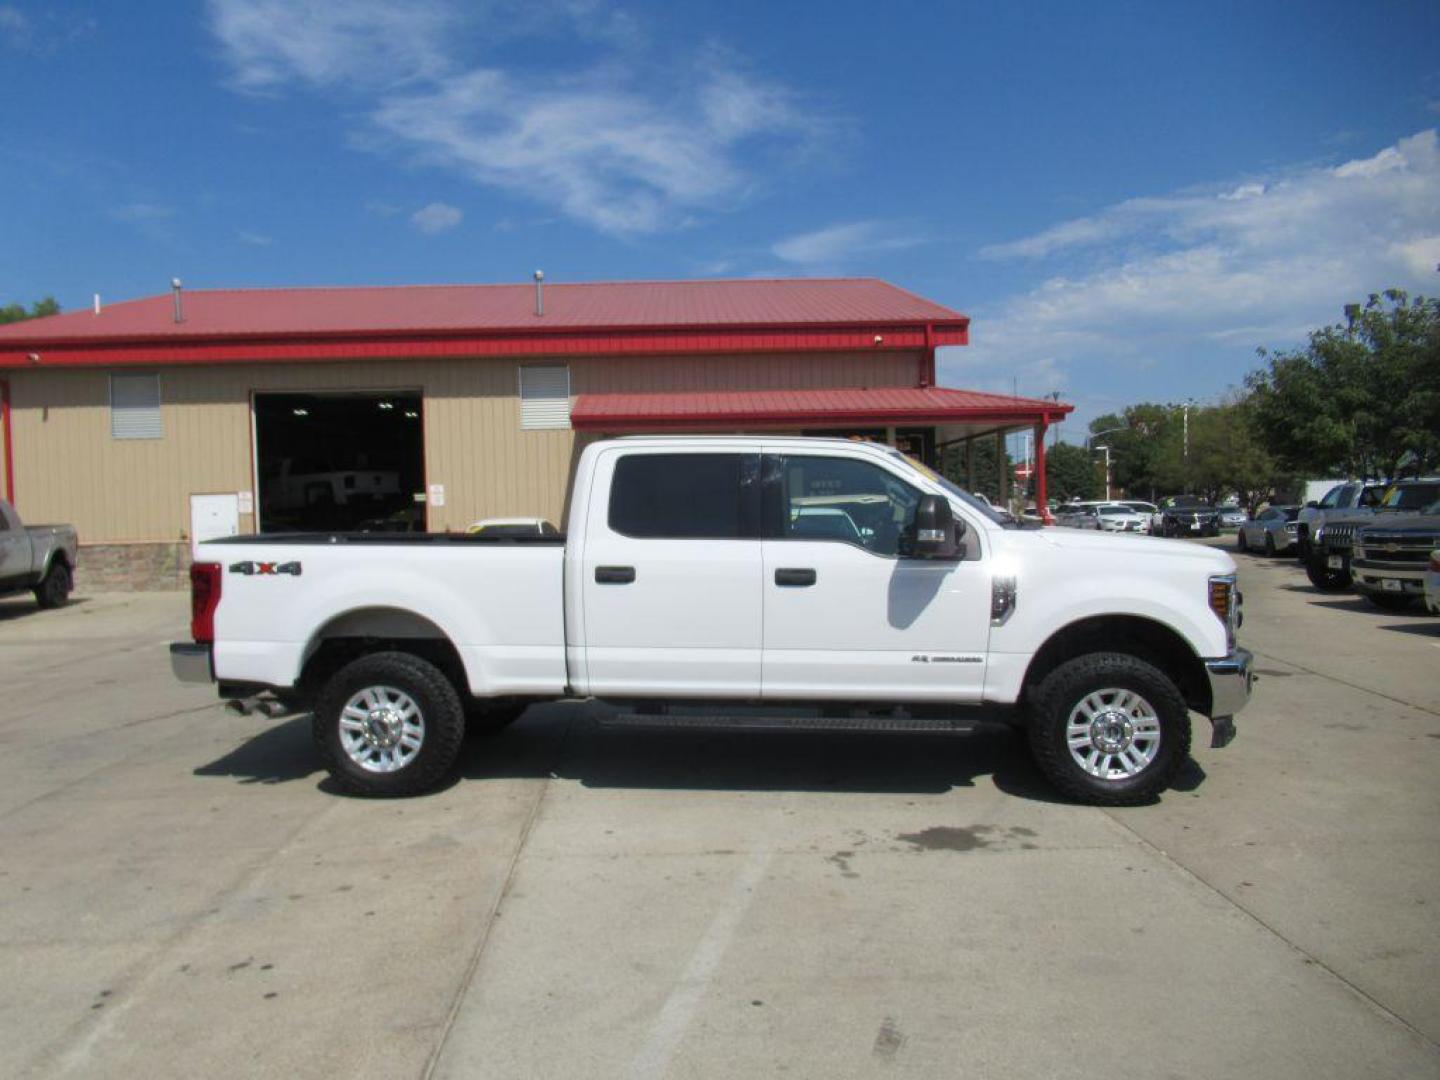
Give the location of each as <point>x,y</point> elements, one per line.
<point>1333,541</point>
<point>511,527</point>
<point>1186,516</point>
<point>1120,518</point>
<point>1272,531</point>
<point>1432,583</point>
<point>1391,557</point>
<point>40,558</point>
<point>1232,517</point>
<point>1148,509</point>
<point>1347,496</point>
<point>1078,516</point>
<point>683,584</point>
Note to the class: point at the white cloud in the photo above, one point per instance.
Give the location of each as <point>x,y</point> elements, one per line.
<point>838,245</point>
<point>267,43</point>
<point>44,35</point>
<point>245,236</point>
<point>615,145</point>
<point>437,217</point>
<point>1176,291</point>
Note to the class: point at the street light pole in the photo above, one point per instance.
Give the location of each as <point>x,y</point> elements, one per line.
<point>1107,470</point>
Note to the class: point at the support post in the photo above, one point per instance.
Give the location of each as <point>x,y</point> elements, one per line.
<point>8,447</point>
<point>1040,492</point>
<point>1004,472</point>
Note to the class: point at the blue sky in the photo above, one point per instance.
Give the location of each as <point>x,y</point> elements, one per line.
<point>1128,199</point>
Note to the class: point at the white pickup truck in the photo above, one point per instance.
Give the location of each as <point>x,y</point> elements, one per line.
<point>752,573</point>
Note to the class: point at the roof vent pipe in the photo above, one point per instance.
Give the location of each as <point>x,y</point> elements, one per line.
<point>175,286</point>
<point>97,303</point>
<point>539,292</point>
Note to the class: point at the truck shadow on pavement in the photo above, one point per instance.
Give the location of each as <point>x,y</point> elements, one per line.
<point>567,744</point>
<point>18,607</point>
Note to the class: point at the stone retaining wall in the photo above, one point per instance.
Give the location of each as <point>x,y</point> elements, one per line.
<point>133,567</point>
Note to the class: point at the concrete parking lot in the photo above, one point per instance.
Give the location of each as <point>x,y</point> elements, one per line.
<point>181,894</point>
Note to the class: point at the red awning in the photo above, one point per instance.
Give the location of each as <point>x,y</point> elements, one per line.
<point>841,407</point>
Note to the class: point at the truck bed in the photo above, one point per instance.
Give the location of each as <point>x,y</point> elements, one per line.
<point>500,602</point>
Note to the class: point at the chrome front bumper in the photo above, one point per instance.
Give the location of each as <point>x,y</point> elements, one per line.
<point>191,663</point>
<point>1231,679</point>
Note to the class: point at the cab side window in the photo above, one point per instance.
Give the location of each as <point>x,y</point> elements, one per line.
<point>845,500</point>
<point>1333,497</point>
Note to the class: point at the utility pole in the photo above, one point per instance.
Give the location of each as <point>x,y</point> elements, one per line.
<point>1107,470</point>
<point>1185,429</point>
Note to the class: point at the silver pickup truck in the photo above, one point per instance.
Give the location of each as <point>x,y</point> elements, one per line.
<point>40,558</point>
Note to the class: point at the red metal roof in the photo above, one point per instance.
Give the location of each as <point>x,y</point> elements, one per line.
<point>809,408</point>
<point>273,324</point>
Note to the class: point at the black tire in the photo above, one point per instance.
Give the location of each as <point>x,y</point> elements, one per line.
<point>1325,579</point>
<point>1390,602</point>
<point>485,719</point>
<point>1269,546</point>
<point>1059,693</point>
<point>54,588</point>
<point>1241,543</point>
<point>1302,545</point>
<point>439,708</point>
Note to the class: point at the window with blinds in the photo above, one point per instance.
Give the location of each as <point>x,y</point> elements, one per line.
<point>544,397</point>
<point>135,407</point>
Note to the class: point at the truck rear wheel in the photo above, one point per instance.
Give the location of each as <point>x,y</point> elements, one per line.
<point>1109,729</point>
<point>389,724</point>
<point>54,588</point>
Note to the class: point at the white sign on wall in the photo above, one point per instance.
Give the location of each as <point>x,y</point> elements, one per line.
<point>247,502</point>
<point>437,495</point>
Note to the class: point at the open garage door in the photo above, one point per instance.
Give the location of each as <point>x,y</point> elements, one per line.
<point>340,461</point>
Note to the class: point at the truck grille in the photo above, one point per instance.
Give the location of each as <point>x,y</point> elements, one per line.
<point>1397,549</point>
<point>1338,538</point>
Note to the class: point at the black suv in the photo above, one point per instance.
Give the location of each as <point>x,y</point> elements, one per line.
<point>1187,516</point>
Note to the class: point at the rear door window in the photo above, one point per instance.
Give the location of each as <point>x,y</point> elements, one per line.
<point>686,496</point>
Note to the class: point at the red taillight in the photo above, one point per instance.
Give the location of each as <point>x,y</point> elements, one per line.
<point>204,599</point>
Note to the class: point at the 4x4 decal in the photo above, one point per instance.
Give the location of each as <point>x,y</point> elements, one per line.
<point>251,568</point>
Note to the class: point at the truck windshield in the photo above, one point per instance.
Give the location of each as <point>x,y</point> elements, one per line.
<point>1000,517</point>
<point>1410,496</point>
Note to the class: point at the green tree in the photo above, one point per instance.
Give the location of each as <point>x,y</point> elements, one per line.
<point>38,310</point>
<point>1362,398</point>
<point>1226,457</point>
<point>1070,473</point>
<point>1144,443</point>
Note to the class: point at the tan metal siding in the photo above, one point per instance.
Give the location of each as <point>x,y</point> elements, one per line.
<point>69,468</point>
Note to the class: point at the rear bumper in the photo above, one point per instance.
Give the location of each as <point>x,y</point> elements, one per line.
<point>1231,680</point>
<point>192,663</point>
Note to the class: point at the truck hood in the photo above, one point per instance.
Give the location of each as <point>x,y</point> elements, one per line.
<point>1131,546</point>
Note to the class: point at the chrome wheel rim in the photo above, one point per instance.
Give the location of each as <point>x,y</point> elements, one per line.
<point>381,729</point>
<point>1113,734</point>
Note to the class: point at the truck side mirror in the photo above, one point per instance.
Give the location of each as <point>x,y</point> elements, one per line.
<point>937,534</point>
<point>1312,505</point>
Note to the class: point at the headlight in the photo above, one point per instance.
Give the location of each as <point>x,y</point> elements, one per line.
<point>1225,602</point>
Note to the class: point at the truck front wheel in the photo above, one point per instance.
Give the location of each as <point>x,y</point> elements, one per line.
<point>1317,569</point>
<point>1109,729</point>
<point>389,724</point>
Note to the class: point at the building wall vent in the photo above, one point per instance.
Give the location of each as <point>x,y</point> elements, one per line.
<point>544,398</point>
<point>135,407</point>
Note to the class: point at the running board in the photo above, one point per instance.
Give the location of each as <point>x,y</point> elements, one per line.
<point>876,724</point>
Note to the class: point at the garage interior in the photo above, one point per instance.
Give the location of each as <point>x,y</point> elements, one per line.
<point>340,461</point>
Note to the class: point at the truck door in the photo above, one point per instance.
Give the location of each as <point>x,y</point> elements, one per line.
<point>671,574</point>
<point>15,552</point>
<point>848,613</point>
